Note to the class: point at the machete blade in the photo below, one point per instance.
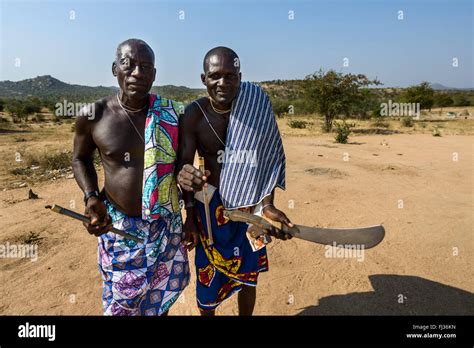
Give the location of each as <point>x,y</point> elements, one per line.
<point>368,237</point>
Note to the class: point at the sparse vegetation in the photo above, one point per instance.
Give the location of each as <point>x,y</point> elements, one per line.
<point>422,94</point>
<point>380,122</point>
<point>333,93</point>
<point>407,121</point>
<point>343,129</point>
<point>50,161</point>
<point>297,124</point>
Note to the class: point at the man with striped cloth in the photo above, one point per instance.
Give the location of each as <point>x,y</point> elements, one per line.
<point>235,131</point>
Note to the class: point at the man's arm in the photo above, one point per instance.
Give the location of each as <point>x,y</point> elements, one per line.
<point>83,161</point>
<point>86,176</point>
<point>186,148</point>
<point>190,179</point>
<point>187,145</point>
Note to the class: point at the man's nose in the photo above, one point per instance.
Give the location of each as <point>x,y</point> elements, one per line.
<point>222,82</point>
<point>137,71</point>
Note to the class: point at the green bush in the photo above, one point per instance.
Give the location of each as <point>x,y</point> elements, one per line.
<point>407,121</point>
<point>297,124</point>
<point>343,130</point>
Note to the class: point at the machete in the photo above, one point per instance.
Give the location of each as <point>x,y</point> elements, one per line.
<point>367,237</point>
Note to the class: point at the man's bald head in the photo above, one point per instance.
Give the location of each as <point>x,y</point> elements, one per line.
<point>134,43</point>
<point>223,53</point>
<point>221,76</point>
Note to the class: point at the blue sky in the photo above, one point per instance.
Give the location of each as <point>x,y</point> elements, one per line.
<point>270,45</point>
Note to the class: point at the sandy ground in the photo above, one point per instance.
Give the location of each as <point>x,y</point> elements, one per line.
<point>408,182</point>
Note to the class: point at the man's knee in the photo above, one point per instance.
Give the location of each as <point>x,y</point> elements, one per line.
<point>248,290</point>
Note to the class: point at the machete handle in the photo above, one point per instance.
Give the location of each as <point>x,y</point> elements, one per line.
<point>277,224</point>
<point>240,216</point>
<point>263,222</point>
<point>282,227</point>
<point>63,211</point>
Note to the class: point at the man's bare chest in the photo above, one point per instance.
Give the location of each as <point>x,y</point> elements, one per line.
<point>211,137</point>
<point>118,140</point>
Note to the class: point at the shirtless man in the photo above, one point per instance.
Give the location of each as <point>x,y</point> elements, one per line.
<point>134,274</point>
<point>222,79</point>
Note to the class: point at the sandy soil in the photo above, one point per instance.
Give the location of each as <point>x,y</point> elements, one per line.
<point>424,265</point>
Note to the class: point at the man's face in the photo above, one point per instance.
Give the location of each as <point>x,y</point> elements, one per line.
<point>135,70</point>
<point>222,79</point>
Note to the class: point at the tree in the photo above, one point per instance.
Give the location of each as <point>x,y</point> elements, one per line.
<point>20,109</point>
<point>443,100</point>
<point>422,94</point>
<point>461,100</point>
<point>279,107</point>
<point>364,104</point>
<point>332,93</point>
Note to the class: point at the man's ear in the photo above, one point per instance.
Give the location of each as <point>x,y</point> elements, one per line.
<point>240,76</point>
<point>154,74</point>
<point>203,79</point>
<point>114,69</point>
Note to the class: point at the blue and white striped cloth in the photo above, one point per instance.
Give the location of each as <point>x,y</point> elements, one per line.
<point>254,159</point>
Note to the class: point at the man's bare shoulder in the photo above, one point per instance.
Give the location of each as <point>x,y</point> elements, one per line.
<point>96,110</point>
<point>192,112</point>
<point>92,113</point>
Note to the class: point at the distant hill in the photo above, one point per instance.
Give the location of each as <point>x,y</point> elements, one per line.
<point>440,87</point>
<point>52,89</point>
<point>180,93</point>
<point>48,87</point>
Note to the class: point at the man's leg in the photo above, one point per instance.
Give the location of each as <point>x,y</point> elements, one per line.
<point>208,312</point>
<point>246,299</point>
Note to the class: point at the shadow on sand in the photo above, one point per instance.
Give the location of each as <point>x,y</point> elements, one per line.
<point>420,297</point>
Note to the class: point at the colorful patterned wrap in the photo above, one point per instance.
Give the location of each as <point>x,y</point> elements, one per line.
<point>160,193</point>
<point>230,262</point>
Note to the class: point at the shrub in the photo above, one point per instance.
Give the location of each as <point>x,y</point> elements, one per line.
<point>343,130</point>
<point>297,124</point>
<point>407,121</point>
<point>436,132</point>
